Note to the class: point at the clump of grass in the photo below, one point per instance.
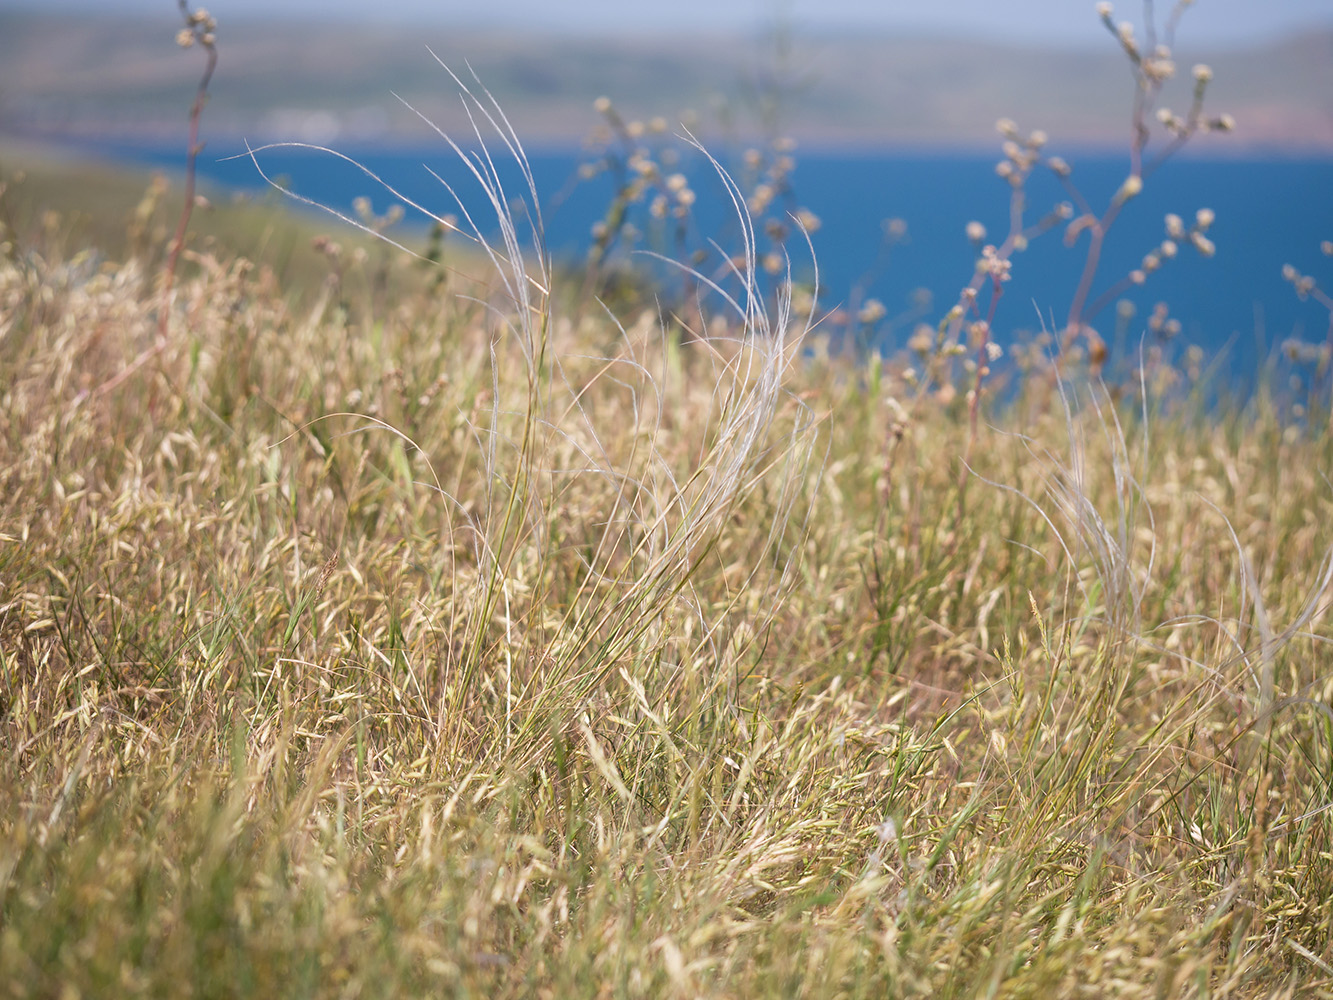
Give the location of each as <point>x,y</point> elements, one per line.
<point>403,644</point>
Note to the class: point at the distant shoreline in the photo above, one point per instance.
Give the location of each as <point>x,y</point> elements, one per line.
<point>120,148</point>
<point>99,79</point>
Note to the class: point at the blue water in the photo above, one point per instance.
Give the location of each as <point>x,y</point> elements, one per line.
<point>1268,213</point>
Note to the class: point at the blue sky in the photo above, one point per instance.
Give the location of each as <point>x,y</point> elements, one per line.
<point>1068,22</point>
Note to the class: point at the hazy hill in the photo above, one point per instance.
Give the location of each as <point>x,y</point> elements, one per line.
<point>125,77</point>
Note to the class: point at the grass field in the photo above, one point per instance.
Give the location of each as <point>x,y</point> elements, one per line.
<point>394,632</point>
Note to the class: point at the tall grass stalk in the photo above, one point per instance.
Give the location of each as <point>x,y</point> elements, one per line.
<point>545,443</point>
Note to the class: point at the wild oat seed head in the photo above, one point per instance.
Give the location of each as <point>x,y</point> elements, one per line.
<point>1151,262</point>
<point>994,351</point>
<point>993,264</point>
<point>1168,248</point>
<point>976,232</point>
<point>1204,218</point>
<point>1004,169</point>
<point>1104,10</point>
<point>685,197</point>
<point>1223,123</point>
<point>1011,149</point>
<point>1171,328</point>
<point>922,339</point>
<point>676,182</point>
<point>1203,244</point>
<point>1058,166</point>
<point>872,312</point>
<point>1159,69</point>
<point>1202,73</point>
<point>895,228</point>
<point>1326,248</point>
<point>1132,186</point>
<point>658,125</point>
<point>185,38</point>
<point>1126,32</point>
<point>808,220</point>
<point>1289,273</point>
<point>1138,277</point>
<point>1007,128</point>
<point>1173,122</point>
<point>1065,210</point>
<point>602,105</point>
<point>1037,139</point>
<point>1175,226</point>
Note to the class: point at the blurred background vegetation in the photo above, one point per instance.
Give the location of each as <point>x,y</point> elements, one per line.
<point>105,77</point>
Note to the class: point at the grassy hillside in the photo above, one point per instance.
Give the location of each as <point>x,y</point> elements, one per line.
<point>74,206</point>
<point>459,636</point>
<point>123,77</point>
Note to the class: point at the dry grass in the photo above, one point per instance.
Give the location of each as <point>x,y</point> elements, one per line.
<point>413,644</point>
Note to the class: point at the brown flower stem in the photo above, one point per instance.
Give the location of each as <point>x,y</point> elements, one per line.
<point>197,32</point>
<point>974,404</point>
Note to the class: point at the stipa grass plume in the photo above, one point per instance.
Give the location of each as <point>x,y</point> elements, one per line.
<point>661,512</point>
